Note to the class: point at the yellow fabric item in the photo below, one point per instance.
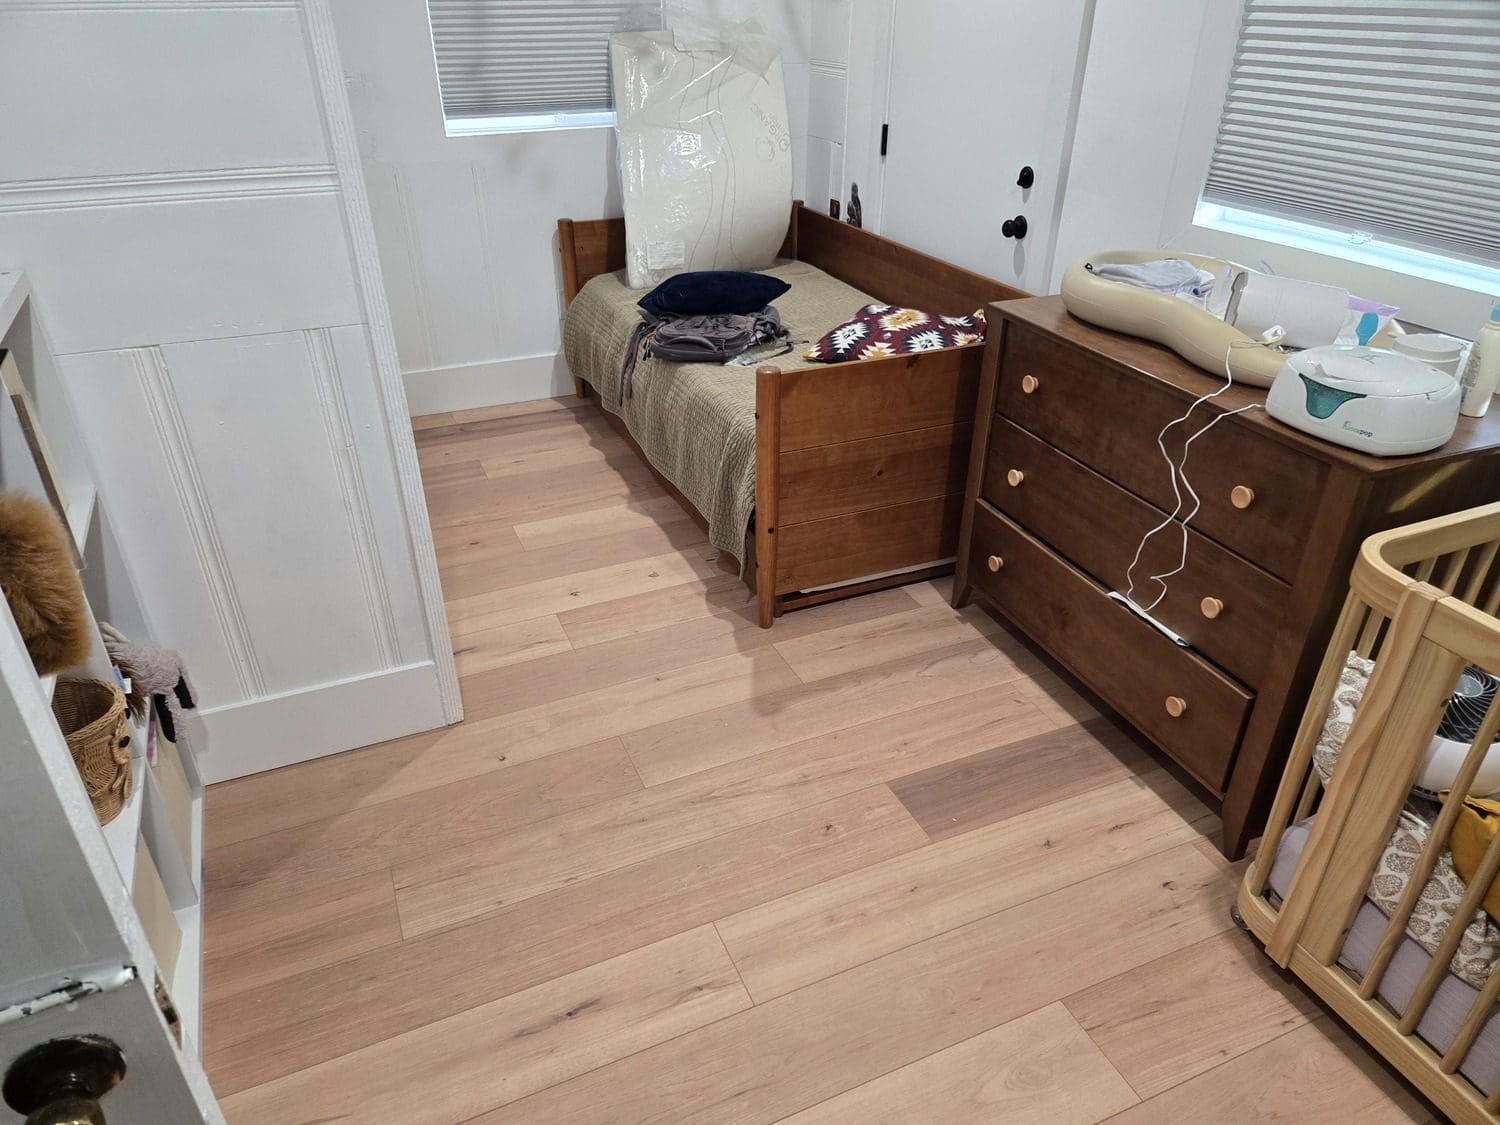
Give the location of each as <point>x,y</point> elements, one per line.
<point>1477,823</point>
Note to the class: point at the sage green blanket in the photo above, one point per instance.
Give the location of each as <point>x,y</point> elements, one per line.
<point>696,421</point>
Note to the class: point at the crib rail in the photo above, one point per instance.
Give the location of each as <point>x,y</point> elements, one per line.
<point>1422,605</point>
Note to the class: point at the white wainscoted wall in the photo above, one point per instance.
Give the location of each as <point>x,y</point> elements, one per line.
<point>182,187</point>
<point>467,225</point>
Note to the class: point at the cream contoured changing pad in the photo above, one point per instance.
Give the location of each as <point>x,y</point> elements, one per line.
<point>705,150</point>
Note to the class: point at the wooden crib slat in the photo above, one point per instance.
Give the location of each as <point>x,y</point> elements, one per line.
<point>1370,634</point>
<point>1479,886</point>
<point>1408,688</point>
<point>1482,567</point>
<point>1437,839</point>
<point>1479,1014</point>
<point>1300,759</point>
<point>1424,570</point>
<point>1311,787</point>
<point>1452,569</point>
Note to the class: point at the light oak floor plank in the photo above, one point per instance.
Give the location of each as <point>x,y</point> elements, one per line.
<point>789,943</point>
<point>833,652</point>
<point>446,889</point>
<point>722,595</point>
<point>793,1052</point>
<point>630,516</point>
<point>709,637</point>
<point>1313,1074</point>
<point>957,797</point>
<point>513,1046</point>
<point>400,831</point>
<point>264,1033</point>
<point>336,920</point>
<point>506,645</point>
<point>1040,1069</point>
<point>770,718</point>
<point>1163,1023</point>
<point>563,592</point>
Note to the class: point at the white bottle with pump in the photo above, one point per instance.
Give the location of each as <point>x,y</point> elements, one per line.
<point>1482,373</point>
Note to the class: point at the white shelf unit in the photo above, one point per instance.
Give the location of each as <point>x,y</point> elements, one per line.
<point>112,597</point>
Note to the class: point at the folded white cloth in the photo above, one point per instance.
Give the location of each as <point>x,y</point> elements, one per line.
<point>1172,276</point>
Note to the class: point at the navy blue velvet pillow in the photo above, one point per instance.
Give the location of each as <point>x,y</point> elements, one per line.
<point>708,292</point>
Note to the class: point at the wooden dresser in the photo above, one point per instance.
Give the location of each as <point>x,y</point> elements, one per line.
<point>1065,478</point>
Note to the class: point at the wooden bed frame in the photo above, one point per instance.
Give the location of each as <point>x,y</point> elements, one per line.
<point>860,467</point>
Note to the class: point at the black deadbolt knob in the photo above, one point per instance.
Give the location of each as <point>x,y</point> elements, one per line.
<point>1014,228</point>
<point>1026,178</point>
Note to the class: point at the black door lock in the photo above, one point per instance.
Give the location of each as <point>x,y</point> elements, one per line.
<point>1026,178</point>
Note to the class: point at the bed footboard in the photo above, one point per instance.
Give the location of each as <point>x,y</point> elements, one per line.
<point>860,472</point>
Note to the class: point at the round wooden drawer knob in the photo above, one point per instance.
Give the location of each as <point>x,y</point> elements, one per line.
<point>1242,496</point>
<point>995,562</point>
<point>1211,607</point>
<point>1015,477</point>
<point>1029,384</point>
<point>1176,706</point>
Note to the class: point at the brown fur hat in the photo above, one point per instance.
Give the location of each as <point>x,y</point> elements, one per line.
<point>45,596</point>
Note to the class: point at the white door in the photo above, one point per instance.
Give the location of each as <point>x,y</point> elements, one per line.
<point>978,92</point>
<point>74,964</point>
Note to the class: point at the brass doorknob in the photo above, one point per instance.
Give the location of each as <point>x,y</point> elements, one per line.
<point>995,562</point>
<point>1176,706</point>
<point>1029,384</point>
<point>61,1082</point>
<point>1211,607</point>
<point>1242,496</point>
<point>1015,477</point>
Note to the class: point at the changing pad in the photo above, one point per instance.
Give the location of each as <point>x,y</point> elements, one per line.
<point>696,421</point>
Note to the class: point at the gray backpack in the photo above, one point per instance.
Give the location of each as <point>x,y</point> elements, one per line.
<point>717,338</point>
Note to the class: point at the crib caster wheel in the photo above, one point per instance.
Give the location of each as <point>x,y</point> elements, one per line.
<point>1237,918</point>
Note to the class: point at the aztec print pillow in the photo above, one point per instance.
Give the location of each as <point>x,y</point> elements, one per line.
<point>878,331</point>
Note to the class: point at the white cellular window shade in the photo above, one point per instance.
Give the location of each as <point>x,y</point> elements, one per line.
<point>1368,116</point>
<point>523,58</point>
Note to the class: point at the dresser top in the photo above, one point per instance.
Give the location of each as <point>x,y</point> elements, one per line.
<point>1047,315</point>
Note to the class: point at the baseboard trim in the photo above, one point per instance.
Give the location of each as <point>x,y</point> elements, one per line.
<point>493,383</point>
<point>280,730</point>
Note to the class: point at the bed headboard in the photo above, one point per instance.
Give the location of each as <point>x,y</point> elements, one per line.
<point>884,269</point>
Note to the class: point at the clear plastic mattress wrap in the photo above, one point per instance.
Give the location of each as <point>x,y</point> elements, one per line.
<point>704,146</point>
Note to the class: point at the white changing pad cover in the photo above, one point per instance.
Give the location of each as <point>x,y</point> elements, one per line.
<point>705,152</point>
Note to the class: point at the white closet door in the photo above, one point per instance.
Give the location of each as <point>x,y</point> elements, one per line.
<point>74,962</point>
<point>976,93</point>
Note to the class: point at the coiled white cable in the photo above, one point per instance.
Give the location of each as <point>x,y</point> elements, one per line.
<point>1180,470</point>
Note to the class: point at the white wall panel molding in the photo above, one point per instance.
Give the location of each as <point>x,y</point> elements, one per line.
<point>167,187</point>
<point>297,726</point>
<point>468,385</point>
<point>328,381</point>
<point>157,392</point>
<point>338,121</point>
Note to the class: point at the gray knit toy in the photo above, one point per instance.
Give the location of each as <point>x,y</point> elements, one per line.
<point>157,675</point>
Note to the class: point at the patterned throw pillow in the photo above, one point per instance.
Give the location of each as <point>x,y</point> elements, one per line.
<point>878,331</point>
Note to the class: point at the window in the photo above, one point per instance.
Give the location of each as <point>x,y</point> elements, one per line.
<point>521,65</point>
<point>1379,120</point>
<point>1351,142</point>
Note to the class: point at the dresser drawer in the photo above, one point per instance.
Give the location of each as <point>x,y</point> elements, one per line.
<point>1108,417</point>
<point>1226,608</point>
<point>1133,667</point>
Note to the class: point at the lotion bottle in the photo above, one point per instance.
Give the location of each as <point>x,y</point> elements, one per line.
<point>1482,373</point>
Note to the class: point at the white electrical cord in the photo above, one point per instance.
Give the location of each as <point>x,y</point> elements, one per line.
<point>1180,470</point>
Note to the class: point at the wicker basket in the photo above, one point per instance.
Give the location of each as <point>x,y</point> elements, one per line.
<point>92,716</point>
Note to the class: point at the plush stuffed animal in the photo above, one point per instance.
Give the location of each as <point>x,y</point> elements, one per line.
<point>41,584</point>
<point>157,676</point>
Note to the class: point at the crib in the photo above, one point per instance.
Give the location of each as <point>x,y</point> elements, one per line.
<point>1422,606</point>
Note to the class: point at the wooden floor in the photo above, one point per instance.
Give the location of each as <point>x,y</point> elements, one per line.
<point>876,864</point>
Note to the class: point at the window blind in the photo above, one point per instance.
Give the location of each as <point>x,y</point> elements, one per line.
<point>1381,116</point>
<point>512,58</point>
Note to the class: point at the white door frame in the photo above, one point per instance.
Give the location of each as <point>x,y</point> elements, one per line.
<point>339,121</point>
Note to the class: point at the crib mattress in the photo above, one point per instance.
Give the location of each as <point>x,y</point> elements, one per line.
<point>1453,999</point>
<point>696,421</point>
